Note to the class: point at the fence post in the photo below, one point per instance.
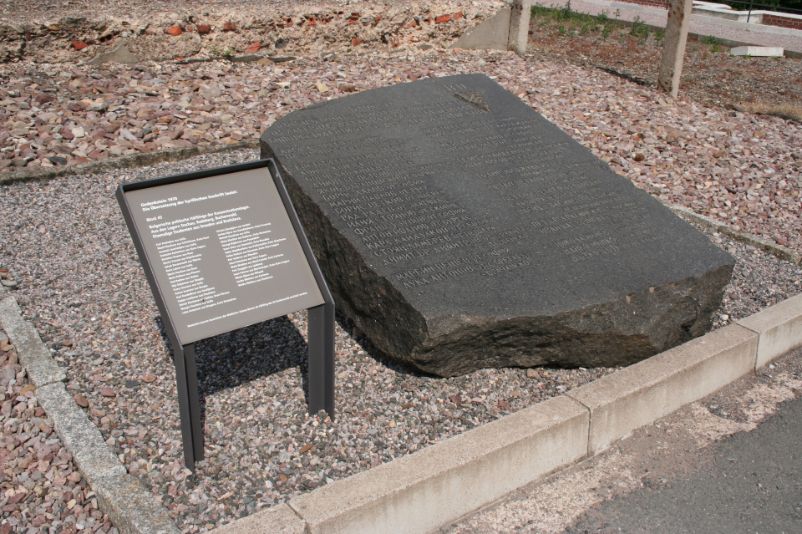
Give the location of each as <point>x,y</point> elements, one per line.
<point>519,26</point>
<point>679,14</point>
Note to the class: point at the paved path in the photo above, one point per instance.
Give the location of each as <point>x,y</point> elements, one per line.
<point>753,484</point>
<point>741,32</point>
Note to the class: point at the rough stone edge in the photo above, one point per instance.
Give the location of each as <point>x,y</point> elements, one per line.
<point>260,521</point>
<point>784,253</point>
<point>132,508</point>
<point>122,162</point>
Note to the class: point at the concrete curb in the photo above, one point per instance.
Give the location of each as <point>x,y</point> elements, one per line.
<point>779,328</point>
<point>33,354</point>
<point>784,253</point>
<point>434,486</point>
<point>653,388</point>
<point>132,508</point>
<point>421,491</point>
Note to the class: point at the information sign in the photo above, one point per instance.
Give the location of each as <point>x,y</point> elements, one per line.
<point>223,249</point>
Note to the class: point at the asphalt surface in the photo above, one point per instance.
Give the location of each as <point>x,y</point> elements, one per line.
<point>753,483</point>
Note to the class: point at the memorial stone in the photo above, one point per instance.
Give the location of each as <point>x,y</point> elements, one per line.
<point>459,229</point>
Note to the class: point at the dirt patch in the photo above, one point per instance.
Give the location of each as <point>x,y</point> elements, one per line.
<point>632,50</point>
<point>188,30</point>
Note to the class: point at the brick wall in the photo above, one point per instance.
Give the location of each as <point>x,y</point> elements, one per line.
<point>774,20</point>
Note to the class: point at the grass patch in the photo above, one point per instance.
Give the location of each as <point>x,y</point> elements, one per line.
<point>713,42</point>
<point>566,20</point>
<point>639,29</point>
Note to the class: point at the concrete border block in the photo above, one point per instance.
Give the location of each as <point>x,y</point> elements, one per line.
<point>424,490</point>
<point>779,327</point>
<point>280,519</point>
<point>132,509</point>
<point>33,354</point>
<point>79,435</point>
<point>648,390</point>
<point>784,253</point>
<point>757,51</point>
<point>492,34</point>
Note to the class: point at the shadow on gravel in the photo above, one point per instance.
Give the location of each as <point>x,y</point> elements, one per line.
<point>235,358</point>
<point>374,352</point>
<point>238,357</point>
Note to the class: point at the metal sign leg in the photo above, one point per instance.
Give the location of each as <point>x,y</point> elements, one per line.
<point>321,359</point>
<point>189,405</point>
<point>194,401</point>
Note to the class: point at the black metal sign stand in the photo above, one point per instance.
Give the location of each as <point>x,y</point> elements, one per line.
<point>320,321</point>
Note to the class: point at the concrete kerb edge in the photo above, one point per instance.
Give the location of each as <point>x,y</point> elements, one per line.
<point>261,521</point>
<point>132,508</point>
<point>779,329</point>
<point>784,253</point>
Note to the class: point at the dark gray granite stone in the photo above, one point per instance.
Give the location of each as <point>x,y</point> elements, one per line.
<point>459,229</point>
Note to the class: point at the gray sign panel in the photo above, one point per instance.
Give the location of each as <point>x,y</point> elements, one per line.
<point>223,252</point>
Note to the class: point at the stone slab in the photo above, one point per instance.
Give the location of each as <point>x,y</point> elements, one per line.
<point>79,435</point>
<point>279,519</point>
<point>33,354</point>
<point>459,229</point>
<point>424,490</point>
<point>779,327</point>
<point>642,393</point>
<point>757,51</point>
<point>132,509</point>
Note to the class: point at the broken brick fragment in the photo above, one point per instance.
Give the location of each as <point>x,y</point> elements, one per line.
<point>174,30</point>
<point>78,45</point>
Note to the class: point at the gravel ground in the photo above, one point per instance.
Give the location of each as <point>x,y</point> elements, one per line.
<point>739,168</point>
<point>40,488</point>
<point>710,75</point>
<point>81,284</point>
<point>41,11</point>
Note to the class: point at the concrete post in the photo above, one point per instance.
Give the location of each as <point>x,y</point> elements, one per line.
<point>519,26</point>
<point>679,14</point>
